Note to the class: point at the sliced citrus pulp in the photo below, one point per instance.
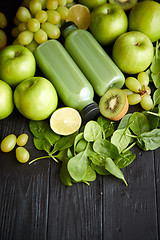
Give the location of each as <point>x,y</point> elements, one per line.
<point>79,15</point>
<point>65,121</point>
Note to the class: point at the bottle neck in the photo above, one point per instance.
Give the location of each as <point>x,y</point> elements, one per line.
<point>71,27</point>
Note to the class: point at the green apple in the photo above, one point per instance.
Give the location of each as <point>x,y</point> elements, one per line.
<point>107,22</point>
<point>6,100</point>
<point>17,63</point>
<point>145,17</point>
<point>133,52</point>
<point>92,4</point>
<point>36,98</point>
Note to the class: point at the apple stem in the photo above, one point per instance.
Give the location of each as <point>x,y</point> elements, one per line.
<point>138,44</point>
<point>17,53</point>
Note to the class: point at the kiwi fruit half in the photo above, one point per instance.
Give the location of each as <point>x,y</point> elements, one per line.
<point>114,104</point>
<point>126,5</point>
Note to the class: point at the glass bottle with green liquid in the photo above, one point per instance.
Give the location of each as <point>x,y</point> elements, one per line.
<point>92,59</point>
<point>72,86</point>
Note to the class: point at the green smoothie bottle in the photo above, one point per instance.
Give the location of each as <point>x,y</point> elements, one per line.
<point>72,86</point>
<point>92,59</point>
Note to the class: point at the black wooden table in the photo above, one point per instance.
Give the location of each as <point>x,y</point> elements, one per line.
<point>34,205</point>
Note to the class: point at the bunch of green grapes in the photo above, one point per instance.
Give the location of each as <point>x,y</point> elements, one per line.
<point>36,21</point>
<point>9,143</point>
<point>138,91</point>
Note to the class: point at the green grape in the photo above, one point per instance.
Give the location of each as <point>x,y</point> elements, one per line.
<point>23,14</point>
<point>41,16</point>
<point>143,78</point>
<point>134,98</point>
<point>51,4</point>
<point>54,17</point>
<point>22,154</point>
<point>16,21</point>
<point>22,26</point>
<point>16,42</point>
<point>32,46</point>
<point>127,91</point>
<point>148,90</point>
<point>8,143</point>
<point>40,36</point>
<point>35,6</point>
<point>22,139</point>
<point>63,12</point>
<point>52,30</point>
<point>15,32</point>
<point>3,20</point>
<point>25,37</point>
<point>62,2</point>
<point>133,84</point>
<point>146,102</point>
<point>33,25</point>
<point>70,1</point>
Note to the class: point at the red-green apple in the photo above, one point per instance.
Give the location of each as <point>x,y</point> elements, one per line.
<point>133,52</point>
<point>3,39</point>
<point>17,63</point>
<point>145,17</point>
<point>107,22</point>
<point>92,4</point>
<point>35,98</point>
<point>6,100</point>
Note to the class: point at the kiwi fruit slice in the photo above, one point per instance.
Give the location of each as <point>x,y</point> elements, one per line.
<point>126,5</point>
<point>114,104</point>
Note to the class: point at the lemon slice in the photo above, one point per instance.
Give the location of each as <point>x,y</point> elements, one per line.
<point>79,15</point>
<point>65,121</point>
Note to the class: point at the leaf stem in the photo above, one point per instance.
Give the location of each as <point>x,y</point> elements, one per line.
<point>152,113</point>
<point>130,135</point>
<point>128,148</point>
<point>39,159</point>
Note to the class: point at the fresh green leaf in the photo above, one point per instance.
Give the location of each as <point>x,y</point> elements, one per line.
<point>139,123</point>
<point>92,131</point>
<point>106,148</point>
<point>124,122</point>
<point>42,144</point>
<point>100,169</point>
<point>113,169</point>
<point>149,140</point>
<point>120,139</point>
<point>64,174</point>
<point>77,166</point>
<point>156,79</point>
<point>90,175</point>
<point>64,143</point>
<point>125,159</point>
<point>156,97</point>
<point>97,159</point>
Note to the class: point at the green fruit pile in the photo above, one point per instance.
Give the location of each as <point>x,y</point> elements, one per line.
<point>36,21</point>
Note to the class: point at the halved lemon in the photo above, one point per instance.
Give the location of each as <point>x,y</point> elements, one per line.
<point>79,15</point>
<point>65,121</point>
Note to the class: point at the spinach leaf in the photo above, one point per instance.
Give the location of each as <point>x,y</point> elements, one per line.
<point>41,129</point>
<point>64,174</point>
<point>92,131</point>
<point>64,143</point>
<point>77,166</point>
<point>120,139</point>
<point>90,175</point>
<point>42,144</point>
<point>124,122</point>
<point>156,97</point>
<point>97,159</point>
<point>125,159</point>
<point>106,148</point>
<point>113,169</point>
<point>153,117</point>
<point>139,123</point>
<point>149,140</point>
<point>100,169</point>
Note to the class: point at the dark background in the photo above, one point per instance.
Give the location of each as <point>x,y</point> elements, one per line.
<point>34,205</point>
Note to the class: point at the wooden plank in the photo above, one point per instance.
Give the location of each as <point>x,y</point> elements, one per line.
<point>131,212</point>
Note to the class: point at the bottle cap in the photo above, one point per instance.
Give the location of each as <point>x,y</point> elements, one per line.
<point>67,28</point>
<point>90,112</point>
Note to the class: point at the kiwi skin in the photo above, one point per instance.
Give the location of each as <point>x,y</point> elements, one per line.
<point>126,5</point>
<point>103,102</point>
